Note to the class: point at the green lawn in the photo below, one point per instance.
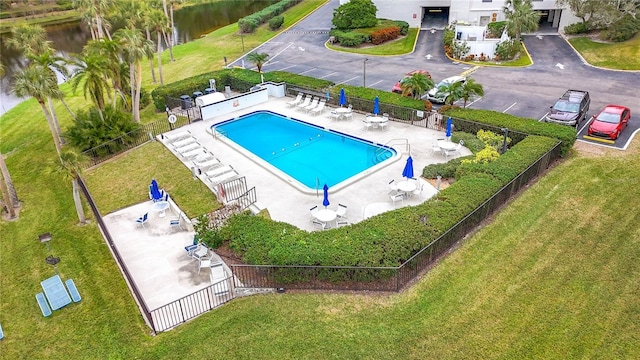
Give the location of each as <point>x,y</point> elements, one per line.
<point>401,46</point>
<point>622,56</point>
<point>555,275</point>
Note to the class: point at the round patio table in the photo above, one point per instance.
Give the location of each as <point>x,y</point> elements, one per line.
<point>160,207</point>
<point>326,215</point>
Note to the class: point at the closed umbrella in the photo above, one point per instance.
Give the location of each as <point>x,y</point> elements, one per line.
<point>408,168</point>
<point>155,191</point>
<point>325,201</point>
<point>343,98</point>
<point>376,106</point>
<point>449,127</point>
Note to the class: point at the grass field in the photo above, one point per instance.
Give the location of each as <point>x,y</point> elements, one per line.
<point>622,56</point>
<point>555,275</point>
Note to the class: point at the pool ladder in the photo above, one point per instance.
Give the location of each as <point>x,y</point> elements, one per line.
<point>384,148</point>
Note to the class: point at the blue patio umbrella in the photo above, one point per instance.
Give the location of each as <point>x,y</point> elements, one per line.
<point>449,126</point>
<point>325,201</point>
<point>155,191</point>
<point>408,168</point>
<point>376,106</point>
<point>343,98</point>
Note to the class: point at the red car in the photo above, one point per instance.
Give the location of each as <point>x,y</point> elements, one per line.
<point>610,122</point>
<point>398,89</point>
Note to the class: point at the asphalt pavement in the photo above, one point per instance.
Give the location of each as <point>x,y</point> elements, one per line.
<point>525,92</point>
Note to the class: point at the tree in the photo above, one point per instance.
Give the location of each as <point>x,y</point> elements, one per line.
<point>416,85</point>
<point>158,22</point>
<point>520,17</point>
<point>28,39</point>
<point>452,91</point>
<point>583,9</point>
<point>71,164</point>
<point>259,59</point>
<point>90,73</point>
<point>134,48</point>
<point>471,88</point>
<point>355,14</point>
<point>93,13</point>
<point>9,193</point>
<point>115,70</point>
<point>36,82</point>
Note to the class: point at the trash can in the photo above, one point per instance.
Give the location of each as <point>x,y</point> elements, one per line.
<point>209,90</point>
<point>196,94</point>
<point>185,102</point>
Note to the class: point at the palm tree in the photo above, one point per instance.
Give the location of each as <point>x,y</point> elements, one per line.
<point>520,17</point>
<point>9,193</point>
<point>90,73</point>
<point>158,21</point>
<point>471,88</point>
<point>29,39</point>
<point>134,47</point>
<point>115,70</point>
<point>93,13</point>
<point>36,82</point>
<point>71,165</point>
<point>259,59</point>
<point>453,92</point>
<point>416,85</point>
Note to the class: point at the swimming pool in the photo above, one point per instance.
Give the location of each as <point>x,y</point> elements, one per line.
<point>306,153</point>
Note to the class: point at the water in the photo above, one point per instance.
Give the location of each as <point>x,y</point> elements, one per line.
<point>190,23</point>
<point>310,154</point>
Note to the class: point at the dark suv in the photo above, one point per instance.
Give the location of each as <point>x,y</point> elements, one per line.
<point>571,109</point>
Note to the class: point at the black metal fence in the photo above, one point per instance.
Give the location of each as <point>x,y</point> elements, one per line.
<point>114,250</point>
<point>192,305</point>
<point>379,278</point>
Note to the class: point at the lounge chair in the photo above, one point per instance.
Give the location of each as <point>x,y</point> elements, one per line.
<point>177,135</point>
<point>318,109</point>
<point>313,104</point>
<point>296,101</point>
<point>188,147</point>
<point>224,177</point>
<point>184,142</point>
<point>206,164</point>
<point>193,153</point>
<point>218,171</point>
<point>305,103</point>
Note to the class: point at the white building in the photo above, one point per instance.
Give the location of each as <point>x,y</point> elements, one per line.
<point>439,13</point>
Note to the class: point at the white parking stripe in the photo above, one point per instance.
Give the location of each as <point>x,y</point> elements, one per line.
<point>322,77</point>
<point>507,109</point>
<point>304,72</point>
<point>542,118</point>
<point>286,67</point>
<point>346,81</point>
<point>375,83</point>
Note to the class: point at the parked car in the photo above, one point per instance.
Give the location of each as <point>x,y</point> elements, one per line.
<point>609,122</point>
<point>434,96</point>
<point>397,88</point>
<point>570,109</point>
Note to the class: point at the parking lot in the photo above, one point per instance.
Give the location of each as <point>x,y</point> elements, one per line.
<point>525,92</point>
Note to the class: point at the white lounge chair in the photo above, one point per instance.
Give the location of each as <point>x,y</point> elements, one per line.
<point>318,109</point>
<point>184,142</point>
<point>224,177</point>
<point>296,101</point>
<point>188,147</point>
<point>193,153</point>
<point>218,171</point>
<point>207,164</point>
<point>313,104</point>
<point>177,135</point>
<point>305,103</point>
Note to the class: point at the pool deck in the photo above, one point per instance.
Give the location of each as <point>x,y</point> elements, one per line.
<point>365,197</point>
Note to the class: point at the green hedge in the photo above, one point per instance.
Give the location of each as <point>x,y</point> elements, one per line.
<point>249,23</point>
<point>379,241</point>
<point>566,134</point>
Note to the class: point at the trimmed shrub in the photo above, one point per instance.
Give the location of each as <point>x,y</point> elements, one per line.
<point>496,29</point>
<point>383,35</point>
<point>445,170</point>
<point>507,49</point>
<point>350,39</point>
<point>576,28</point>
<point>276,22</point>
<point>403,25</point>
<point>249,23</point>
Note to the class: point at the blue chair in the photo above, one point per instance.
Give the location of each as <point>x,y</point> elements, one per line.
<point>44,305</point>
<point>73,291</point>
<point>143,219</point>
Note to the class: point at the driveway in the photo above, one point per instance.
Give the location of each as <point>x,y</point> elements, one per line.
<point>525,92</point>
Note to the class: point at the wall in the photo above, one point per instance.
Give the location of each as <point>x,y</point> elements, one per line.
<point>235,103</point>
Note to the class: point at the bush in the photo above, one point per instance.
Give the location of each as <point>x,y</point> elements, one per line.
<point>350,39</point>
<point>496,29</point>
<point>576,28</point>
<point>448,37</point>
<point>471,141</point>
<point>383,35</point>
<point>276,22</point>
<point>622,30</point>
<point>403,25</point>
<point>507,49</point>
<point>249,23</point>
<point>355,14</point>
<point>89,130</point>
<point>445,170</point>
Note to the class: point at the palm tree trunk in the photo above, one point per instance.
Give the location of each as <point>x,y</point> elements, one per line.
<point>78,202</point>
<point>99,27</point>
<point>7,180</point>
<point>170,42</point>
<point>136,100</point>
<point>7,198</point>
<point>160,57</point>
<point>55,120</point>
<point>153,73</point>
<point>68,109</point>
<point>132,80</point>
<point>52,128</point>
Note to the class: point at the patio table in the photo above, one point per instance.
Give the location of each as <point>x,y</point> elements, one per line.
<point>326,215</point>
<point>342,111</point>
<point>406,186</point>
<point>55,292</point>
<point>160,207</point>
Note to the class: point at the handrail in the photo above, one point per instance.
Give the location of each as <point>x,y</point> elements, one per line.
<point>383,148</point>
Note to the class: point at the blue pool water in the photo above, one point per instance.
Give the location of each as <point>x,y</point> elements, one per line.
<point>310,154</point>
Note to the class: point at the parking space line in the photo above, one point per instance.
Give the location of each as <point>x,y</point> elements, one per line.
<point>280,52</point>
<point>322,77</point>
<point>306,71</point>
<point>346,81</point>
<point>507,109</point>
<point>375,83</point>
<point>543,116</point>
<point>474,101</point>
<point>286,67</point>
<point>270,63</point>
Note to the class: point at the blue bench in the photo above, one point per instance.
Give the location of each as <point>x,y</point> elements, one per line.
<point>1,333</point>
<point>73,291</point>
<point>44,305</point>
